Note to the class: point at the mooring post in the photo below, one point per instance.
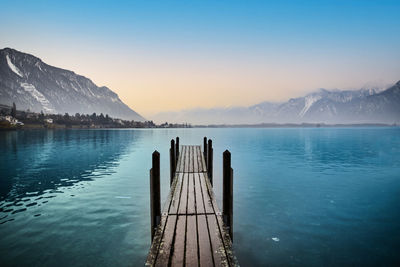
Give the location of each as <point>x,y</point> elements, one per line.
<point>227,193</point>
<point>155,204</point>
<point>172,163</point>
<point>210,161</point>
<point>176,152</point>
<point>205,150</point>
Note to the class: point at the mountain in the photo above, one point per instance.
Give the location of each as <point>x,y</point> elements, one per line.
<point>35,85</point>
<point>323,106</point>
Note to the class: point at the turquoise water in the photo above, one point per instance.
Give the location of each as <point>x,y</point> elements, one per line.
<point>302,197</point>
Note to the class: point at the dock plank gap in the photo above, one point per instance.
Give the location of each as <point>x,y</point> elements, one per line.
<point>190,230</point>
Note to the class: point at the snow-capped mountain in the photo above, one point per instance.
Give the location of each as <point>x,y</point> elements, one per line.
<point>367,105</point>
<point>34,85</point>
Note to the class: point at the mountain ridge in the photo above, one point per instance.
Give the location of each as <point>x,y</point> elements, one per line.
<point>366,105</point>
<point>33,84</point>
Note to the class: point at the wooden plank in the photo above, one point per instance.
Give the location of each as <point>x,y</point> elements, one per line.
<point>211,195</point>
<point>196,149</point>
<point>191,157</point>
<point>217,244</point>
<point>205,251</point>
<point>166,243</point>
<point>195,159</point>
<point>200,157</point>
<point>191,205</point>
<point>178,162</point>
<point>178,256</point>
<point>226,241</point>
<point>182,159</point>
<point>184,194</point>
<point>199,194</point>
<point>172,205</point>
<point>186,159</point>
<point>223,229</point>
<point>204,164</point>
<point>191,242</point>
<point>155,245</point>
<point>208,205</point>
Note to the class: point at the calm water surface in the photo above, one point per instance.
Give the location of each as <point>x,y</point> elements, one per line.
<point>302,197</point>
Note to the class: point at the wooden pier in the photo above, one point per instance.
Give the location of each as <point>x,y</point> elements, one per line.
<point>191,230</point>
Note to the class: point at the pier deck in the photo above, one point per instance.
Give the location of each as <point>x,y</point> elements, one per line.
<point>191,231</point>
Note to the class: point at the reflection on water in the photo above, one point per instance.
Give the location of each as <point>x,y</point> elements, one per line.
<point>35,164</point>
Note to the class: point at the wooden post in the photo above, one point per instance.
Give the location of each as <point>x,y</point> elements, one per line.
<point>227,193</point>
<point>205,150</point>
<point>172,163</point>
<point>210,161</point>
<point>155,204</point>
<point>176,152</point>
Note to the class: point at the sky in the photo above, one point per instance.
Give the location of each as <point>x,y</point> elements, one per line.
<point>172,55</point>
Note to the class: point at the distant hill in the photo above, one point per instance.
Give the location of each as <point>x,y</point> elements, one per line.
<point>32,84</point>
<point>324,106</point>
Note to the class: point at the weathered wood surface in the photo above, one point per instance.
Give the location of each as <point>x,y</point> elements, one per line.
<point>191,159</point>
<point>191,231</point>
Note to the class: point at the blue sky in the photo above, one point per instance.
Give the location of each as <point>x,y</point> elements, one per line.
<point>250,50</point>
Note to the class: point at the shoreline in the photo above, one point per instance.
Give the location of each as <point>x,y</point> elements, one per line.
<point>267,126</point>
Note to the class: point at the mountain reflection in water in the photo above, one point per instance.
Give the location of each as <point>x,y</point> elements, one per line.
<point>37,164</point>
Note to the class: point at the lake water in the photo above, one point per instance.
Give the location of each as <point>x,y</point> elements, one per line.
<point>302,197</point>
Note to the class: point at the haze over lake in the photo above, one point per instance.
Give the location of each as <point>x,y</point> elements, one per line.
<point>302,197</point>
